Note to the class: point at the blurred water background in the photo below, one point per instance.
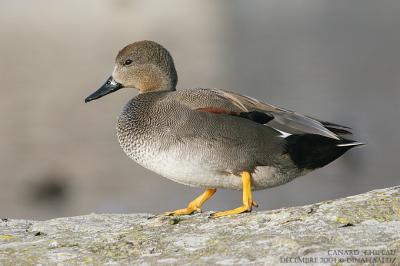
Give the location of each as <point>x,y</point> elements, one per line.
<point>335,60</point>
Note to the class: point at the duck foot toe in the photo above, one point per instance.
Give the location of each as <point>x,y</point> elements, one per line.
<point>238,210</point>
<point>185,211</point>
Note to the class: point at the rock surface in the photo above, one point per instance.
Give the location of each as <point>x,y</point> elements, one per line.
<point>358,229</point>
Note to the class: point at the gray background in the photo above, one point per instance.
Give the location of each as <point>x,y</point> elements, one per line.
<point>335,60</point>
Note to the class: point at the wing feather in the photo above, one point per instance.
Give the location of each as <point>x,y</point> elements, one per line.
<point>283,120</point>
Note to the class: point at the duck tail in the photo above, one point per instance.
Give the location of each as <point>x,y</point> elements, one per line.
<point>339,130</point>
<point>310,151</point>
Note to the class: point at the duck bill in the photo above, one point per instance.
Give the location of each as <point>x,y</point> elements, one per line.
<point>110,86</point>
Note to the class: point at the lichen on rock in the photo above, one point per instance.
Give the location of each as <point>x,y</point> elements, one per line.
<point>368,225</point>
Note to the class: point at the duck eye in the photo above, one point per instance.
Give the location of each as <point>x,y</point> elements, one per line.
<point>127,62</point>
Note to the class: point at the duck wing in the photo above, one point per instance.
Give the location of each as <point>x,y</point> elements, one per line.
<point>283,120</point>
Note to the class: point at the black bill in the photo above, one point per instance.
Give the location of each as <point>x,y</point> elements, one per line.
<point>110,86</point>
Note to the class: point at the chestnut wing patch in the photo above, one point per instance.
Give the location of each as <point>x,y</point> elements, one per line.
<point>255,116</point>
<point>216,110</point>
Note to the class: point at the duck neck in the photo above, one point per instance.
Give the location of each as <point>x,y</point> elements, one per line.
<point>153,78</point>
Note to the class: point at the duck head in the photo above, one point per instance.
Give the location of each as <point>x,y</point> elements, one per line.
<point>146,66</point>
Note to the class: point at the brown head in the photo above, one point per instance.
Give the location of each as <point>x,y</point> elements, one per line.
<point>145,65</point>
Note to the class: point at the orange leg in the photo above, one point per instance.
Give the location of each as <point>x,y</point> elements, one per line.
<point>247,198</point>
<point>194,205</point>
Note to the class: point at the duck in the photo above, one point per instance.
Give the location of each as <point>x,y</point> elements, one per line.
<point>213,138</point>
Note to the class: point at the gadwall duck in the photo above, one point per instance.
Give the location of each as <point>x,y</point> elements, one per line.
<point>213,138</point>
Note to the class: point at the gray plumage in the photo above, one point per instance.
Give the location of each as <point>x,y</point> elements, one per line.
<point>207,137</point>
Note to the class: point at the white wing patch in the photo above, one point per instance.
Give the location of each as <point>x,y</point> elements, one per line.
<point>283,133</point>
<point>350,144</point>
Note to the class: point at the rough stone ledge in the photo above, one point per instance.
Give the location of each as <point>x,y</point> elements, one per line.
<point>367,225</point>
